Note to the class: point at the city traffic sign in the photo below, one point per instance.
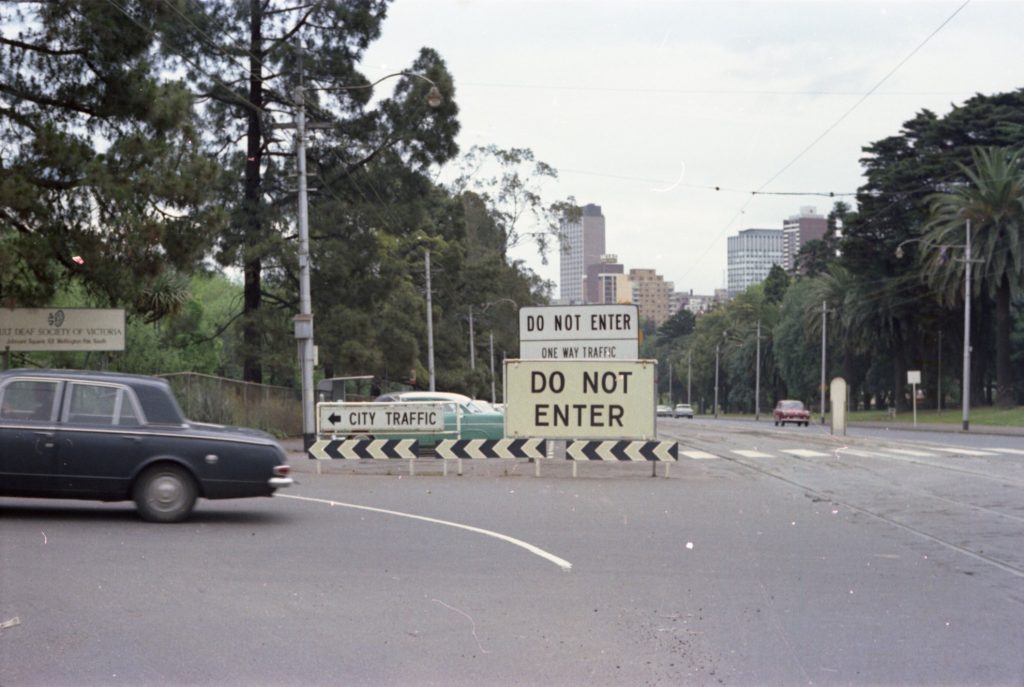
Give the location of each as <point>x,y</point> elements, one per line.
<point>385,418</point>
<point>580,399</point>
<point>579,332</point>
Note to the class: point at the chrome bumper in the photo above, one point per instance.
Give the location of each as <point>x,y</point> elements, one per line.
<point>280,482</point>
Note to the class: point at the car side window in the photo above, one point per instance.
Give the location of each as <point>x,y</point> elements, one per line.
<point>97,404</point>
<point>28,399</point>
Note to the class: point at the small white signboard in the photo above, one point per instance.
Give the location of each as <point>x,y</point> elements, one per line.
<point>579,332</point>
<point>61,329</point>
<point>386,418</point>
<point>580,399</point>
<point>913,376</point>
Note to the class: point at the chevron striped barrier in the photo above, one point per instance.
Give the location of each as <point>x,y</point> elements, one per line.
<point>660,451</point>
<point>480,449</point>
<point>363,449</point>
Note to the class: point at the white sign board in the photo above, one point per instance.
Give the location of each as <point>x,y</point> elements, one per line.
<point>388,418</point>
<point>579,332</point>
<point>61,329</point>
<point>580,399</point>
<point>913,376</point>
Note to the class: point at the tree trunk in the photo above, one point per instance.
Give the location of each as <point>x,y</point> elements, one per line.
<point>1004,370</point>
<point>253,265</point>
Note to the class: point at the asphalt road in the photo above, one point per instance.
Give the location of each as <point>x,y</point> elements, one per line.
<point>771,556</point>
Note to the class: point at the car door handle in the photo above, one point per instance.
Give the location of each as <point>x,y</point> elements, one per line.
<point>133,439</point>
<point>46,435</point>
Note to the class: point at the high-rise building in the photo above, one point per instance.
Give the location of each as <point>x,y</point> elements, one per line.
<point>798,230</point>
<point>751,256</point>
<point>597,281</point>
<point>651,295</point>
<point>582,246</point>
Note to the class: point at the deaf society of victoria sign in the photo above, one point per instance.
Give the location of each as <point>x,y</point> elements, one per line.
<point>369,418</point>
<point>580,399</point>
<point>579,332</point>
<point>61,329</point>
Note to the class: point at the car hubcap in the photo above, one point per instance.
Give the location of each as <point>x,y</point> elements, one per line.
<point>166,492</point>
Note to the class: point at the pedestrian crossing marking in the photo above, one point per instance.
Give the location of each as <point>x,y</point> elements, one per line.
<point>751,454</point>
<point>805,453</point>
<point>910,452</point>
<point>966,451</point>
<point>699,455</point>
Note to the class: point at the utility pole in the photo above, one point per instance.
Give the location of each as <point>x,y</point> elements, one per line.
<point>472,346</point>
<point>717,346</point>
<point>430,324</point>
<point>493,397</point>
<point>304,320</point>
<point>824,313</point>
<point>757,376</point>
<point>670,385</point>
<point>965,392</point>
<point>938,393</point>
<point>689,374</point>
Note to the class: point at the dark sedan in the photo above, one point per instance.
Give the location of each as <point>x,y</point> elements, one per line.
<point>119,437</point>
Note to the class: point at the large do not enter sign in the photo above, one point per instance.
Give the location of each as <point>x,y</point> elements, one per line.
<point>585,399</point>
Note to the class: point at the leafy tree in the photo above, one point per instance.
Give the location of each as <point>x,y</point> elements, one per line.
<point>103,180</point>
<point>775,284</point>
<point>993,202</point>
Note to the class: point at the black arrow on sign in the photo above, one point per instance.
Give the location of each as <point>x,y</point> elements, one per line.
<point>334,418</point>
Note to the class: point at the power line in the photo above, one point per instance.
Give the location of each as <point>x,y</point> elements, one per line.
<point>827,131</point>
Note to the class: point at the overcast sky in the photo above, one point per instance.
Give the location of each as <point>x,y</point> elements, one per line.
<point>642,106</point>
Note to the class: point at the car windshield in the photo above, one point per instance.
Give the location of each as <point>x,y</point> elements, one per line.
<point>791,405</point>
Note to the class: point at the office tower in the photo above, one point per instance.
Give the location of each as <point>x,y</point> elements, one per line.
<point>798,230</point>
<point>751,256</point>
<point>582,246</point>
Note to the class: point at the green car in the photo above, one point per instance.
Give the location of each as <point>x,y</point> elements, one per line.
<point>464,418</point>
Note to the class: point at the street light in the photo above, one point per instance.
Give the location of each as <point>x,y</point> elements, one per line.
<point>304,320</point>
<point>965,392</point>
<point>472,343</point>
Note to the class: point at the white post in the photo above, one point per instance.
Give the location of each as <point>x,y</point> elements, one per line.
<point>430,326</point>
<point>913,390</point>
<point>965,392</point>
<point>689,374</point>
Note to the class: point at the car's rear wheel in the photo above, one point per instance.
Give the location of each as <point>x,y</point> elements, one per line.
<point>165,493</point>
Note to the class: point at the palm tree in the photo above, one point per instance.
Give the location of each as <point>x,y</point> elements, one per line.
<point>993,202</point>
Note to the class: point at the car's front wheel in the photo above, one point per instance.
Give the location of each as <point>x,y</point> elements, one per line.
<point>165,493</point>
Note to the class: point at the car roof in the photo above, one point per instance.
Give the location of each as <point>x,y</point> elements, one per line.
<point>158,402</point>
<point>426,396</point>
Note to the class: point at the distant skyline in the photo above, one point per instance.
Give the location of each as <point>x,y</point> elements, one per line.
<point>645,108</point>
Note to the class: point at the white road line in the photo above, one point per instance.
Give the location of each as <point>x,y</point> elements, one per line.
<point>911,452</point>
<point>698,455</point>
<point>855,452</point>
<point>560,562</point>
<point>965,451</point>
<point>805,453</point>
<point>751,454</point>
<point>1012,451</point>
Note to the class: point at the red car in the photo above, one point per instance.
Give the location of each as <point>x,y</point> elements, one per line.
<point>791,411</point>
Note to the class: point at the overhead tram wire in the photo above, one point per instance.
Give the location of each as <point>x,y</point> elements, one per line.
<point>827,131</point>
